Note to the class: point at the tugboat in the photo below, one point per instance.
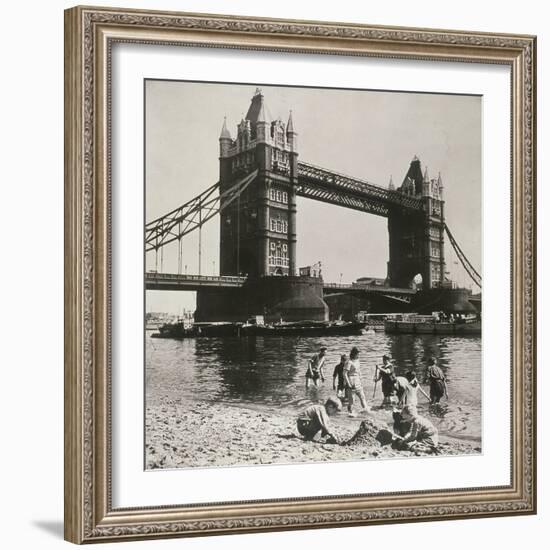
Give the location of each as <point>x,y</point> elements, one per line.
<point>176,330</point>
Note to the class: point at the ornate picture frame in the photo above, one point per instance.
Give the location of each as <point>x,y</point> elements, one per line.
<point>90,34</point>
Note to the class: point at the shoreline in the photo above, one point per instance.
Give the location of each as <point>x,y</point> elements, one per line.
<point>182,434</point>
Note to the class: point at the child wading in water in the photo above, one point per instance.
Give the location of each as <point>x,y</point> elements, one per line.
<point>315,419</point>
<point>338,382</point>
<point>386,373</point>
<point>352,379</point>
<point>407,387</point>
<point>315,367</point>
<point>437,381</point>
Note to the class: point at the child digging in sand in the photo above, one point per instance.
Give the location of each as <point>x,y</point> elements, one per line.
<point>315,419</point>
<point>422,435</point>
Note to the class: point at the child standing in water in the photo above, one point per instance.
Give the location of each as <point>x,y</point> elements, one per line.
<point>386,373</point>
<point>437,381</point>
<point>352,379</point>
<point>338,382</point>
<point>315,368</point>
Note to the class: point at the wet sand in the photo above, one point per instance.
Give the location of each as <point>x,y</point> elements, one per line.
<point>180,434</point>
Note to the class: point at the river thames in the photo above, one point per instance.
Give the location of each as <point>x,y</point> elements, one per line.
<point>268,373</point>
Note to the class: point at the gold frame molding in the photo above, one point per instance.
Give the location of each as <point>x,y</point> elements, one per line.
<point>89,35</point>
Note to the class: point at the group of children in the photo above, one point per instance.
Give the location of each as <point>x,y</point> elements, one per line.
<point>346,379</point>
<point>412,431</point>
<point>402,390</point>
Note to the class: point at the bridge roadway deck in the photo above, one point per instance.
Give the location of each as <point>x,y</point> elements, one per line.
<point>174,281</point>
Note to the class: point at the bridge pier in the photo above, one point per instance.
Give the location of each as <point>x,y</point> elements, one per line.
<point>276,298</point>
<point>346,305</point>
<point>448,300</point>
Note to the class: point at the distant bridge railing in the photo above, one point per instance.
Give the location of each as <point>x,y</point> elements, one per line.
<point>174,281</point>
<point>368,288</point>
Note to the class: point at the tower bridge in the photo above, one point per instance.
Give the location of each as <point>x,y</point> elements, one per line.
<point>261,177</point>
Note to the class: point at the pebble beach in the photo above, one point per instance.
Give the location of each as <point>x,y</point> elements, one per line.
<point>180,434</point>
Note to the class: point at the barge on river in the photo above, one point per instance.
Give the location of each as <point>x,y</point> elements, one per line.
<point>305,328</point>
<point>429,324</point>
<point>300,328</point>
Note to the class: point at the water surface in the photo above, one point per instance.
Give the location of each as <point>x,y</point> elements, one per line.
<point>269,372</point>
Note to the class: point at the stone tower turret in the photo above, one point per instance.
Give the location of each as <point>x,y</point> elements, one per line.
<point>258,230</point>
<point>417,238</point>
<point>225,140</point>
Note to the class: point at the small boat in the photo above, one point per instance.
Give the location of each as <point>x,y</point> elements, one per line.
<point>174,330</point>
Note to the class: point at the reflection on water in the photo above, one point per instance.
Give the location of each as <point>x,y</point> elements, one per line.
<point>270,371</point>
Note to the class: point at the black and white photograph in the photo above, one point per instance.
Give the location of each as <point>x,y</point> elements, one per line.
<point>313,274</point>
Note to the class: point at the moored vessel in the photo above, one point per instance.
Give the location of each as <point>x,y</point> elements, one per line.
<point>429,324</point>
<point>180,330</point>
<point>305,328</point>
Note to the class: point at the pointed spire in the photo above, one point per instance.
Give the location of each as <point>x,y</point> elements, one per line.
<point>290,124</point>
<point>439,180</point>
<point>258,110</point>
<point>262,116</point>
<point>225,132</point>
<point>426,176</point>
<point>414,173</point>
<point>391,186</point>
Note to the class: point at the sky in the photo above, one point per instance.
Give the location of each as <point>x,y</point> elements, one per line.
<point>372,135</point>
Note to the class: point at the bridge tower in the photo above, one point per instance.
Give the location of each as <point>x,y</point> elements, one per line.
<point>417,238</point>
<point>258,230</point>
